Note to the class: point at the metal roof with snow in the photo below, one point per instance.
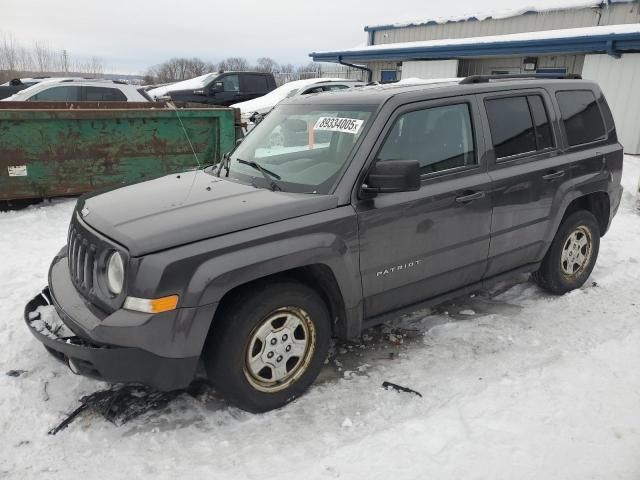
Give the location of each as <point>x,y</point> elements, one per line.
<point>611,39</point>
<point>558,5</point>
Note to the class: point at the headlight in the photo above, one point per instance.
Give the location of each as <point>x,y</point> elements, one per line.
<point>115,273</point>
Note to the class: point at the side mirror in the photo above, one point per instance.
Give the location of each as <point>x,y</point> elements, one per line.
<point>393,176</point>
<point>217,87</point>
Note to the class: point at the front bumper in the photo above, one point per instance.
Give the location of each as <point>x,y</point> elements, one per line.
<point>161,351</point>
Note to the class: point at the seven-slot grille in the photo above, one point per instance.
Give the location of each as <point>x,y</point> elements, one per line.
<point>82,259</point>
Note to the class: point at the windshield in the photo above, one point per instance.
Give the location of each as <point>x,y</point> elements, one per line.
<point>305,146</point>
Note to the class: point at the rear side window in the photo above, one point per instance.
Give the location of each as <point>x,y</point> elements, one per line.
<point>255,83</point>
<point>581,116</point>
<point>518,125</point>
<point>103,94</point>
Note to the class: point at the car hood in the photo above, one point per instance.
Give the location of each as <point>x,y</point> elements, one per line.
<point>181,208</point>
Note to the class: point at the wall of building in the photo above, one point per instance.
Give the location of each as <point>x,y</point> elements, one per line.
<point>619,13</point>
<point>619,79</point>
<point>377,67</point>
<point>430,69</point>
<point>486,66</point>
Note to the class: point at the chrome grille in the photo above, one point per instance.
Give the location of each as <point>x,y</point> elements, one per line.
<point>82,260</point>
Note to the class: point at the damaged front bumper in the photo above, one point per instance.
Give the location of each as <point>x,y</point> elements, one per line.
<point>104,362</point>
<point>93,346</point>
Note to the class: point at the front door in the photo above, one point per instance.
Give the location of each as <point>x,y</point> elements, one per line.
<point>226,90</point>
<point>416,245</point>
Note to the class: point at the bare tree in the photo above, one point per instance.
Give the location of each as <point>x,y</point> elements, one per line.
<point>237,64</point>
<point>267,64</point>
<point>287,68</point>
<point>42,57</point>
<point>9,53</point>
<point>177,69</point>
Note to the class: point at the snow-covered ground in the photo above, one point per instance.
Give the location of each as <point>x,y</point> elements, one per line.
<point>516,384</point>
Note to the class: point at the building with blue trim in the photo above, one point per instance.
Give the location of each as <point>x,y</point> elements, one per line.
<point>600,41</point>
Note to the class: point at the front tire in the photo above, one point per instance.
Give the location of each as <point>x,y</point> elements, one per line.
<point>268,344</point>
<point>572,254</point>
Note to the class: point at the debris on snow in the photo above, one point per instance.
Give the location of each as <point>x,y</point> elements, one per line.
<point>399,388</point>
<point>122,403</point>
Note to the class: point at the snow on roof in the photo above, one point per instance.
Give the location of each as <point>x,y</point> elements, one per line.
<point>191,84</point>
<point>513,37</point>
<point>267,102</point>
<point>543,6</point>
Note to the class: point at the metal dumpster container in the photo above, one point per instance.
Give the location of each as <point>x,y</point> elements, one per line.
<point>58,149</point>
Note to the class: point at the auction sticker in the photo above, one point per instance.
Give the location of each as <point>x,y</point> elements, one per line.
<point>17,171</point>
<point>336,124</point>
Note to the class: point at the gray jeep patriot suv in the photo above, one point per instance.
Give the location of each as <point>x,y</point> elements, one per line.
<point>337,212</point>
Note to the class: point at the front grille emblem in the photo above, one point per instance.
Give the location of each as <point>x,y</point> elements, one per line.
<point>84,212</point>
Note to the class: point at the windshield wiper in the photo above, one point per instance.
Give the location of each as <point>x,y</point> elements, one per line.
<point>224,163</point>
<point>267,174</point>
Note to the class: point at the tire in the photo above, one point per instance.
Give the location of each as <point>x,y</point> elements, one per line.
<point>244,365</point>
<point>572,254</point>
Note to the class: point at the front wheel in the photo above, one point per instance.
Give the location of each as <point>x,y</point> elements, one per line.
<point>572,254</point>
<point>267,345</point>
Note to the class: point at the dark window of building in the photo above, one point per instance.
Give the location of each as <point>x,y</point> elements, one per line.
<point>544,137</point>
<point>104,94</point>
<point>66,93</point>
<point>255,83</point>
<point>440,138</point>
<point>511,126</point>
<point>581,116</point>
<point>387,76</point>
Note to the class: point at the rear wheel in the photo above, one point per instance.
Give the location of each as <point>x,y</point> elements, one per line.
<point>268,345</point>
<point>572,254</point>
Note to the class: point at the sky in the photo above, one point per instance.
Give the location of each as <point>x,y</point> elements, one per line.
<point>130,36</point>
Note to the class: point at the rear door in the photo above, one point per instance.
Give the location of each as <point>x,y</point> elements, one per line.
<point>530,175</point>
<point>416,245</point>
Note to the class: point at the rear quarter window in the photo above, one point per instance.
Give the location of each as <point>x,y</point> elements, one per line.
<point>581,116</point>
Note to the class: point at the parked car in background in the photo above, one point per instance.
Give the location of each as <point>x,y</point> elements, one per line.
<point>263,105</point>
<point>221,88</point>
<point>16,84</point>
<point>80,90</point>
<point>416,194</point>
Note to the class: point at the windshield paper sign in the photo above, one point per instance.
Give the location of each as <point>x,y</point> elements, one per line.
<point>335,124</point>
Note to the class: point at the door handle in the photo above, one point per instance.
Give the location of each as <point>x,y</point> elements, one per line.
<point>470,197</point>
<point>552,175</point>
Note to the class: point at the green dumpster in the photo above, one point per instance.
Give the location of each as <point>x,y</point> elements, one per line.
<point>49,150</point>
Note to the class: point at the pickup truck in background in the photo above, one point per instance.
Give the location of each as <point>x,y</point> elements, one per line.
<point>221,88</point>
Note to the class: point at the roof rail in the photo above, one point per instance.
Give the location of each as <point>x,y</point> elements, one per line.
<point>519,76</point>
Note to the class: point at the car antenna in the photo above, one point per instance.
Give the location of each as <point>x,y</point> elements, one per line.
<point>172,105</point>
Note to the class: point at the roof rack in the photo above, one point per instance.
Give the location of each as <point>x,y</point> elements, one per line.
<point>519,76</point>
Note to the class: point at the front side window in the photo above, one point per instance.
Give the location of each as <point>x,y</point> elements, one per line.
<point>306,146</point>
<point>440,138</point>
<point>581,116</point>
<point>65,93</point>
<point>230,83</point>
